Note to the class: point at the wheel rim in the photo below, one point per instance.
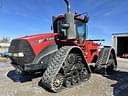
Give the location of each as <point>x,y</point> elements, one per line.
<point>75,77</point>
<point>84,74</point>
<point>58,82</point>
<point>67,82</point>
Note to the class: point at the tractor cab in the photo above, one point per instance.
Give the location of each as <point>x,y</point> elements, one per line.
<point>70,26</point>
<point>79,32</point>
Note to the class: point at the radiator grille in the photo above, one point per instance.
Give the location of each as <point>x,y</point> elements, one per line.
<point>21,46</point>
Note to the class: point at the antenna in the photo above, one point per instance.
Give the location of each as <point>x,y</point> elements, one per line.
<point>68,6</point>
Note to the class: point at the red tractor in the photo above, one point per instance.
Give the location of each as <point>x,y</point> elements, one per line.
<point>65,55</point>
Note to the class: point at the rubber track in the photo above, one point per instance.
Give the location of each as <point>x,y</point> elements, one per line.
<point>103,57</point>
<point>54,67</point>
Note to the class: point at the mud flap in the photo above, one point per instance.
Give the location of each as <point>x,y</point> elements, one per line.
<point>104,58</point>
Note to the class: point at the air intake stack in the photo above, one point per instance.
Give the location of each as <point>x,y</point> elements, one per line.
<point>68,6</point>
<point>69,19</point>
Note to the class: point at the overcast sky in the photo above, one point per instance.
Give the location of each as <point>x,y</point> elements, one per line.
<point>27,17</point>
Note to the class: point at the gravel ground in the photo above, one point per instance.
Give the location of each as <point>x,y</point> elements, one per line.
<point>98,85</point>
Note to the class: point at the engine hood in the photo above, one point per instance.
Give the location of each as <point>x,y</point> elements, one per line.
<point>38,36</point>
<point>39,41</point>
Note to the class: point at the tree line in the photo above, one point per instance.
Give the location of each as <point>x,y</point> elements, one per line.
<point>5,40</point>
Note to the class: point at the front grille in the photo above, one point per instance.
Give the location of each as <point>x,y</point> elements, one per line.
<point>21,46</point>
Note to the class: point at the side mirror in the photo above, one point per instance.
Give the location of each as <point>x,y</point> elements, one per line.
<point>65,26</point>
<point>86,18</point>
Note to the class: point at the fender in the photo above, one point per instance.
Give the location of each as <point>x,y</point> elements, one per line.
<point>47,51</point>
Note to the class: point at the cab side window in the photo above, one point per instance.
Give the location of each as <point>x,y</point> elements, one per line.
<point>80,29</point>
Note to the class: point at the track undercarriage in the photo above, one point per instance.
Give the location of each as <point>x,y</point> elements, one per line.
<point>65,70</point>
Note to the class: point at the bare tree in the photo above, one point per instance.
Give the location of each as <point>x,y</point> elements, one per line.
<point>5,40</point>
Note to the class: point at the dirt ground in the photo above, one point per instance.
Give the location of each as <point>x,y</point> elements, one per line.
<point>12,84</point>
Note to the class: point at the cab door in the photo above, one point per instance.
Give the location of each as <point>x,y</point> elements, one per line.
<point>81,31</point>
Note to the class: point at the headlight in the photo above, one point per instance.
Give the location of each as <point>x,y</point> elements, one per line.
<point>19,54</point>
<point>15,54</point>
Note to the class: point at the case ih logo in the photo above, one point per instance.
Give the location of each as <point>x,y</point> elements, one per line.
<point>42,40</point>
<point>45,39</point>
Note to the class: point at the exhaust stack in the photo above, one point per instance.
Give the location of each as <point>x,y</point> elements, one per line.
<point>68,6</point>
<point>69,19</point>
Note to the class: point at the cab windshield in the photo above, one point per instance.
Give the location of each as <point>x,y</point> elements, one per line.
<point>79,25</point>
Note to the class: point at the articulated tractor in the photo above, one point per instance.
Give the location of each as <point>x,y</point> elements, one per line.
<point>65,56</point>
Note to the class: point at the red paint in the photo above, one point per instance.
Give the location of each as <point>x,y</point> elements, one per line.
<point>40,41</point>
<point>90,50</point>
<point>81,18</point>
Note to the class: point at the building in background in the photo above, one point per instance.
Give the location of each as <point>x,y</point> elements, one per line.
<point>120,44</point>
<point>4,47</point>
